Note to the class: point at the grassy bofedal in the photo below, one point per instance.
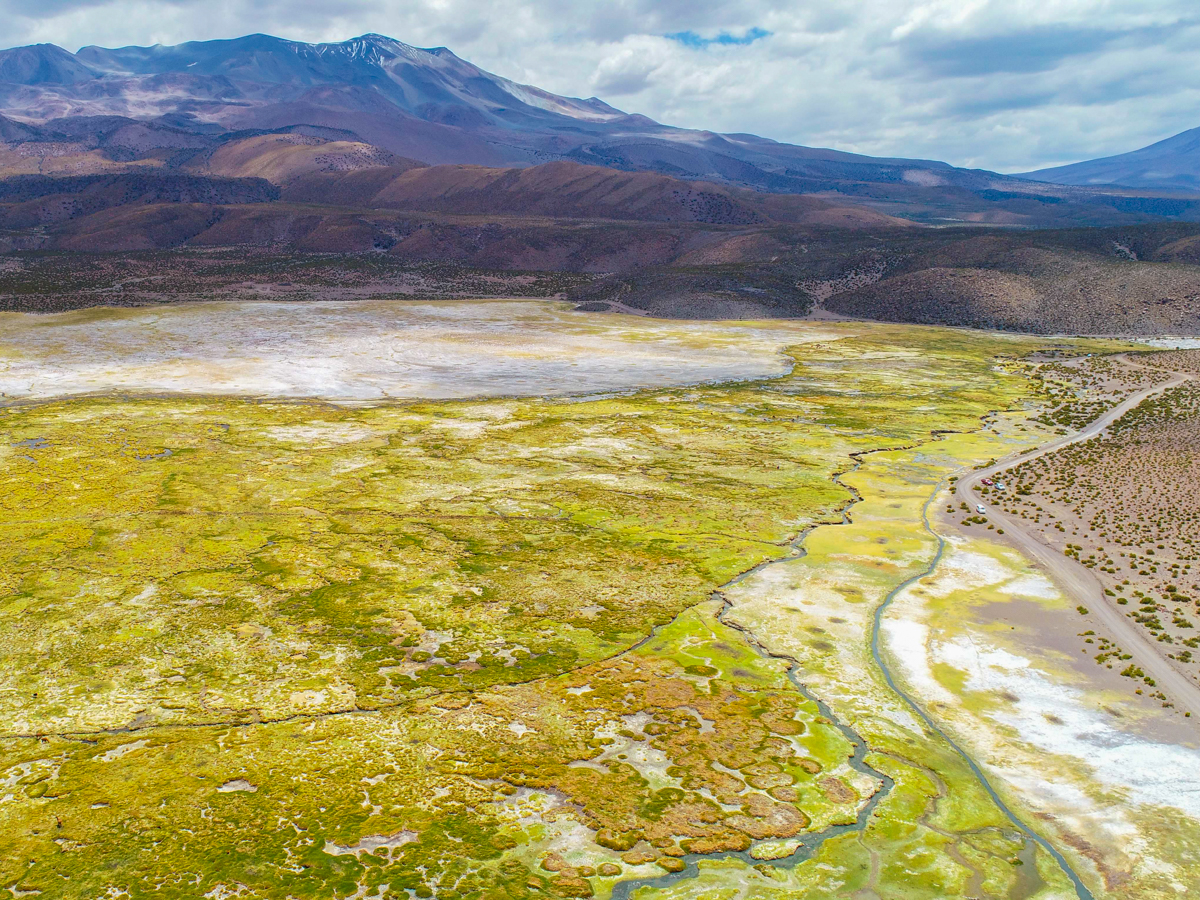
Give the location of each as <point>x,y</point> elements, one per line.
<point>460,649</point>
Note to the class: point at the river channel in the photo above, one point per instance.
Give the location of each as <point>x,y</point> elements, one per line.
<point>809,844</point>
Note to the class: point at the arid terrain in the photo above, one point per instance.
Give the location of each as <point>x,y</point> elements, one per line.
<point>1142,280</point>
<point>304,212</point>
<point>54,282</point>
<point>1121,505</point>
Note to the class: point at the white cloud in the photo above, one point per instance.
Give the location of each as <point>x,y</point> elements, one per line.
<point>1002,84</point>
<point>628,69</point>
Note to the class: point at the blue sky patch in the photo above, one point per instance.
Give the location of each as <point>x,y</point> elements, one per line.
<point>691,39</point>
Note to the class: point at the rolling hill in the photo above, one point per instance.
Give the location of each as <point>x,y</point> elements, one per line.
<point>78,212</point>
<point>568,190</point>
<point>282,158</point>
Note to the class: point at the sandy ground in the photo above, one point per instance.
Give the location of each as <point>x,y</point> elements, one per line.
<point>374,350</point>
<point>986,643</point>
<point>1077,580</point>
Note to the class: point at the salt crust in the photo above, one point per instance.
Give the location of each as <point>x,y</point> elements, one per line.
<point>375,350</point>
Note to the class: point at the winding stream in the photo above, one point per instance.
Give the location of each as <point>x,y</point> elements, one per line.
<point>1080,888</point>
<point>810,843</point>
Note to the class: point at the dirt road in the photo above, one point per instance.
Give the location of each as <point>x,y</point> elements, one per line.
<point>1077,580</point>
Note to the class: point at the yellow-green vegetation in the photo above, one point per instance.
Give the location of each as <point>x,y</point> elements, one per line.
<point>690,743</point>
<point>985,647</point>
<point>938,833</point>
<point>468,649</point>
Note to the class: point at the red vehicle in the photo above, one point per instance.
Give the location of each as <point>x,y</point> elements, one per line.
<point>987,481</point>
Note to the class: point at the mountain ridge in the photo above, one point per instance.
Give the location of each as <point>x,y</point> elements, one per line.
<point>1173,163</point>
<point>102,110</point>
<point>259,81</point>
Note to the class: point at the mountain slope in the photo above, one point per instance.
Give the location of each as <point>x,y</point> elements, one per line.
<point>1170,164</point>
<point>567,190</point>
<point>175,107</point>
<point>506,212</point>
<point>283,158</point>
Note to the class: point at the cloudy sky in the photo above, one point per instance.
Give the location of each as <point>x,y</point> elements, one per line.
<point>1008,85</point>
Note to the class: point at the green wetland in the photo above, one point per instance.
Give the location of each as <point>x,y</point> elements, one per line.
<point>483,648</point>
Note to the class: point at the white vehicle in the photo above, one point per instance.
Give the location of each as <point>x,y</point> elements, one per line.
<point>980,508</point>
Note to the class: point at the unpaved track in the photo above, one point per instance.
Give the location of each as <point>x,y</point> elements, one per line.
<point>1076,579</point>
